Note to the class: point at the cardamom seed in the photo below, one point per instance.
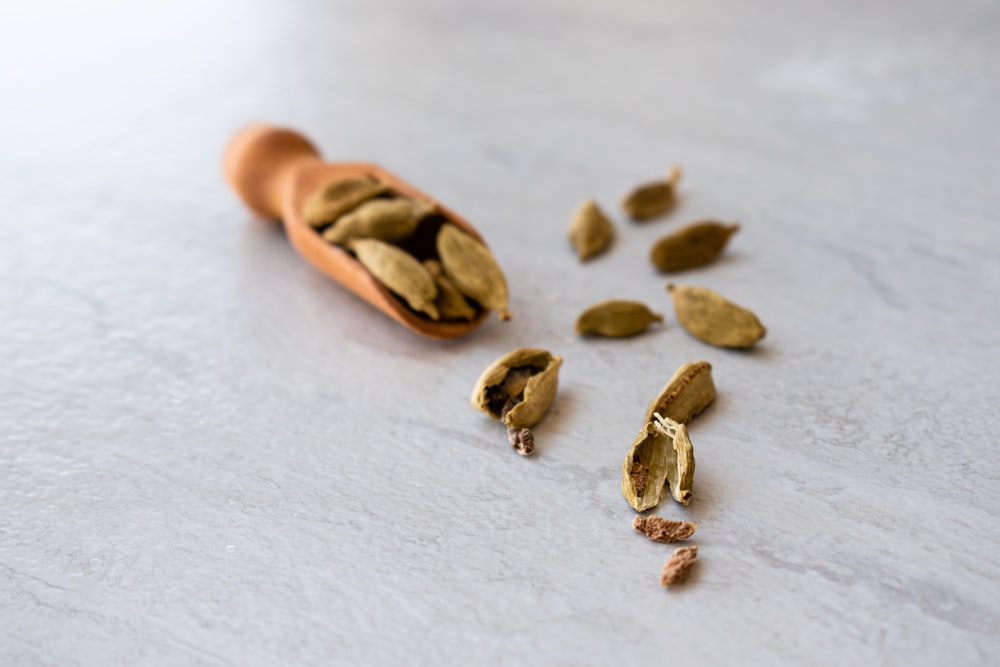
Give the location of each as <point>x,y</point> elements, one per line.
<point>663,530</point>
<point>680,458</point>
<point>450,303</point>
<point>591,231</point>
<point>695,245</point>
<point>399,271</point>
<point>518,389</point>
<point>644,470</point>
<point>677,567</point>
<point>336,198</point>
<point>390,220</point>
<point>652,199</point>
<point>689,391</point>
<point>616,318</point>
<point>708,316</point>
<point>473,270</point>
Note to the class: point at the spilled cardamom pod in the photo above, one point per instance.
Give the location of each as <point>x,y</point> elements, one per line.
<point>390,220</point>
<point>689,391</point>
<point>677,567</point>
<point>616,318</point>
<point>450,303</point>
<point>644,470</point>
<point>680,458</point>
<point>336,198</point>
<point>695,245</point>
<point>590,231</point>
<point>473,269</point>
<point>708,316</point>
<point>652,199</point>
<point>518,389</point>
<point>663,530</point>
<point>399,271</point>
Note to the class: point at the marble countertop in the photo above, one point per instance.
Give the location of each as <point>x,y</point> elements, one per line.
<point>211,454</point>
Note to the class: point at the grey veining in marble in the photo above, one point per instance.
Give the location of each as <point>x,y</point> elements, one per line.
<point>212,455</point>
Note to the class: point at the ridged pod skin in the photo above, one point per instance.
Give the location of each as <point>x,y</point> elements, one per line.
<point>692,246</point>
<point>338,197</point>
<point>590,231</point>
<point>535,376</point>
<point>710,317</point>
<point>390,220</point>
<point>450,303</point>
<point>473,269</point>
<point>644,470</point>
<point>616,318</point>
<point>400,272</point>
<point>652,199</point>
<point>690,390</point>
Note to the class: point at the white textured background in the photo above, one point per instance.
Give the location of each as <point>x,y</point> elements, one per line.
<point>213,455</point>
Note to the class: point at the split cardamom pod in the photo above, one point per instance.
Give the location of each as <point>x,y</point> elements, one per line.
<point>400,271</point>
<point>680,458</point>
<point>390,220</point>
<point>708,316</point>
<point>677,567</point>
<point>591,231</point>
<point>518,389</point>
<point>689,391</point>
<point>473,269</point>
<point>616,318</point>
<point>652,199</point>
<point>695,245</point>
<point>661,457</point>
<point>663,530</point>
<point>338,197</point>
<point>450,303</point>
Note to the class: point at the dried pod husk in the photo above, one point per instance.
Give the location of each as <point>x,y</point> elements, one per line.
<point>400,271</point>
<point>616,318</point>
<point>644,470</point>
<point>591,231</point>
<point>450,303</point>
<point>389,220</point>
<point>653,199</point>
<point>680,458</point>
<point>473,269</point>
<point>695,245</point>
<point>710,317</point>
<point>336,198</point>
<point>689,391</point>
<point>677,567</point>
<point>528,377</point>
<point>663,530</point>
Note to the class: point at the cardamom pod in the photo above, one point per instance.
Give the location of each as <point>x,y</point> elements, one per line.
<point>473,269</point>
<point>677,567</point>
<point>400,271</point>
<point>695,245</point>
<point>336,198</point>
<point>644,470</point>
<point>591,231</point>
<point>616,318</point>
<point>708,316</point>
<point>652,199</point>
<point>390,220</point>
<point>450,303</point>
<point>689,391</point>
<point>680,458</point>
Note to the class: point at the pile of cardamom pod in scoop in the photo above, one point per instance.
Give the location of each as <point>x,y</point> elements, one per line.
<point>438,270</point>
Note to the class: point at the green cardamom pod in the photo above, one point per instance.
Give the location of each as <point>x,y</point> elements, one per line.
<point>689,391</point>
<point>450,303</point>
<point>652,199</point>
<point>616,318</point>
<point>695,245</point>
<point>473,269</point>
<point>708,316</point>
<point>644,470</point>
<point>336,198</point>
<point>680,458</point>
<point>591,231</point>
<point>390,220</point>
<point>399,271</point>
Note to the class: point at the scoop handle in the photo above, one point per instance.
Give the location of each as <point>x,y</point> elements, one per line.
<point>261,162</point>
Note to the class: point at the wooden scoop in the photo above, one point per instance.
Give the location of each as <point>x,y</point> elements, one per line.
<point>274,170</point>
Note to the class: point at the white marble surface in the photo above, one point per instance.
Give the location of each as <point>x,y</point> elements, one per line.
<point>212,455</point>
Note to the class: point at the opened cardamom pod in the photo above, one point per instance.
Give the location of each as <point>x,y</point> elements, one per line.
<point>644,470</point>
<point>616,318</point>
<point>390,220</point>
<point>473,269</point>
<point>399,271</point>
<point>695,245</point>
<point>518,389</point>
<point>338,197</point>
<point>708,316</point>
<point>591,231</point>
<point>652,199</point>
<point>680,458</point>
<point>689,391</point>
<point>450,303</point>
